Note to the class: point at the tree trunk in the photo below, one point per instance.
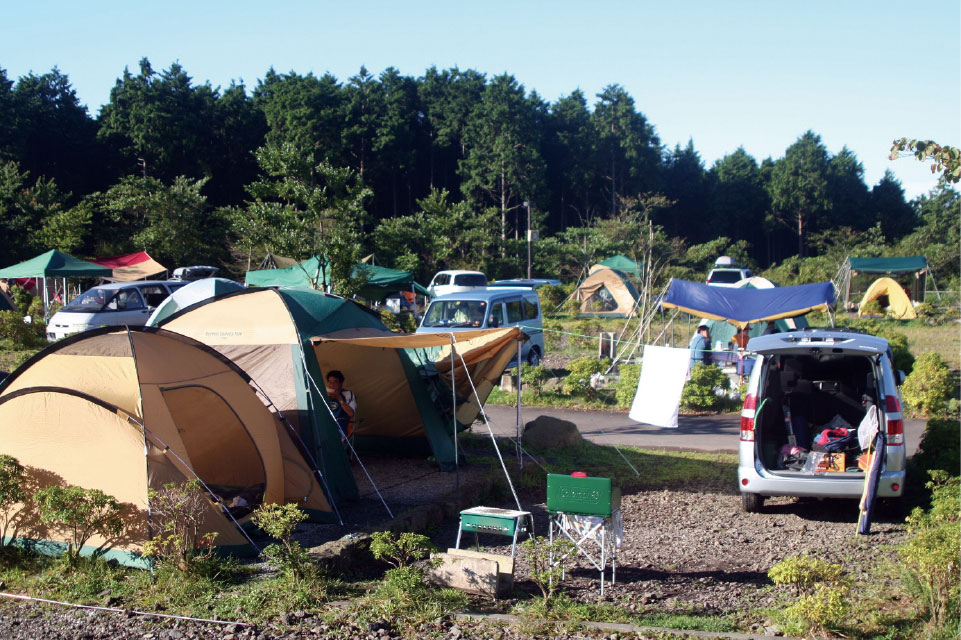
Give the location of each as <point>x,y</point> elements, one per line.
<point>800,236</point>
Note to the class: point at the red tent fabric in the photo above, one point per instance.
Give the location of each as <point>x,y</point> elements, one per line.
<point>133,266</point>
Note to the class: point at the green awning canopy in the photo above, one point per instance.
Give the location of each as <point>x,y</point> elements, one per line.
<point>54,264</point>
<point>381,281</point>
<point>905,264</point>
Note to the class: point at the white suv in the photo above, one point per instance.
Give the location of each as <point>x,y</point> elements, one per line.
<point>454,281</point>
<point>804,383</point>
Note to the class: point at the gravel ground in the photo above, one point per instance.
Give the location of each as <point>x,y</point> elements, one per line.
<point>682,550</point>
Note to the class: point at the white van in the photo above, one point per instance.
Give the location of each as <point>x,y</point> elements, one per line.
<point>490,309</point>
<point>112,305</point>
<point>454,281</point>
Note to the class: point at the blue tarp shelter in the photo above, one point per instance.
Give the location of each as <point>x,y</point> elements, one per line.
<point>741,307</point>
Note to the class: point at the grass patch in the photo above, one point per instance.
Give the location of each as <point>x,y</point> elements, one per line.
<point>658,469</point>
<point>944,339</point>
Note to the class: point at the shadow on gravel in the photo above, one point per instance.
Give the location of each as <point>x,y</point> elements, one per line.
<point>629,575</point>
<point>832,510</point>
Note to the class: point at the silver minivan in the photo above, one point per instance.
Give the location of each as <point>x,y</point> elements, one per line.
<point>114,304</point>
<point>490,309</point>
<point>807,395</point>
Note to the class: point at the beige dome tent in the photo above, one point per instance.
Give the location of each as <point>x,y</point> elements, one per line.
<point>891,297</point>
<point>126,411</point>
<point>607,292</point>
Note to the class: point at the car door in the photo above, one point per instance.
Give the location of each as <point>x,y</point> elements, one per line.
<point>127,307</point>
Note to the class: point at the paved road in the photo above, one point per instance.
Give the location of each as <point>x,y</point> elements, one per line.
<point>715,433</point>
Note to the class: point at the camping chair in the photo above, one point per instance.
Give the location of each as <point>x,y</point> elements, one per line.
<point>586,511</point>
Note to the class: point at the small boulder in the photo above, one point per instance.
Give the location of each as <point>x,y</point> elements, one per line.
<point>546,432</point>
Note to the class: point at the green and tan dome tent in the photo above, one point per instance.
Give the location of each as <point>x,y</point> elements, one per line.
<point>607,292</point>
<point>126,411</point>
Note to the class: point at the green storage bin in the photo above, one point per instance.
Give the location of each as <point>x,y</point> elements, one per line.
<point>581,496</point>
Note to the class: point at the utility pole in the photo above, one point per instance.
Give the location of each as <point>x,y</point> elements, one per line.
<point>528,203</point>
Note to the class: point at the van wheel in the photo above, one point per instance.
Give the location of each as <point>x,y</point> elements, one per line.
<point>533,358</point>
<point>752,502</point>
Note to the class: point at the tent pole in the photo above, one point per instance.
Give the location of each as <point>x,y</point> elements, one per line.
<point>520,458</point>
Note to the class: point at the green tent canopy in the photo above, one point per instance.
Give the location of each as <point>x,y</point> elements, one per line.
<point>54,264</point>
<point>624,264</point>
<point>904,264</point>
<point>381,281</point>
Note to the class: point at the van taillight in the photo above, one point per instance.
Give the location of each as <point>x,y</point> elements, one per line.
<point>747,422</point>
<point>895,425</point>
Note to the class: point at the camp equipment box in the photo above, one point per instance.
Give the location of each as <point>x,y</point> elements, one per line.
<point>501,522</point>
<point>587,511</point>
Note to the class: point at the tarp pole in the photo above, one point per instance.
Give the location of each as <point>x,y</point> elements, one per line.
<point>520,457</point>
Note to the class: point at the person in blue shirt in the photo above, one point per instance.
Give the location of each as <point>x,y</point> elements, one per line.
<point>700,346</point>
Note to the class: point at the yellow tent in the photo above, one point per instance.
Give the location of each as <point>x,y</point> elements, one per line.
<point>607,292</point>
<point>891,297</point>
<point>126,411</point>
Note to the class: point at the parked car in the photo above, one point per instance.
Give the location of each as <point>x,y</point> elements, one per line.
<point>804,383</point>
<point>726,274</point>
<point>490,309</point>
<point>533,283</point>
<point>113,304</point>
<point>454,281</point>
<point>196,272</point>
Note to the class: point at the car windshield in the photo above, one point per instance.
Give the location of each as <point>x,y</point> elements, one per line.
<point>455,313</point>
<point>725,276</point>
<point>90,301</point>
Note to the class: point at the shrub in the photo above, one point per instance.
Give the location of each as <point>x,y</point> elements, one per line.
<point>11,490</point>
<point>17,333</point>
<point>579,378</point>
<point>80,514</point>
<point>931,554</point>
<point>179,511</point>
<point>823,604</point>
<point>939,450</point>
<point>803,572</point>
<point>535,377</point>
<point>700,392</point>
<point>928,388</point>
<point>554,337</point>
<point>21,298</point>
<point>401,550</point>
<point>551,296</point>
<point>543,572</point>
<point>626,386</point>
<point>279,521</point>
<point>872,308</point>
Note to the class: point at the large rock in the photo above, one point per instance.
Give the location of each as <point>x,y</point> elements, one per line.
<point>546,432</point>
<point>467,573</point>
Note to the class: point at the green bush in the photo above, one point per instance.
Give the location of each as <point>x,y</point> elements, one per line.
<point>11,491</point>
<point>17,333</point>
<point>823,604</point>
<point>928,388</point>
<point>701,391</point>
<point>80,514</point>
<point>178,510</point>
<point>22,298</point>
<point>551,296</point>
<point>554,336</point>
<point>626,386</point>
<point>535,377</point>
<point>872,308</point>
<point>400,550</point>
<point>930,555</point>
<point>279,521</point>
<point>547,561</point>
<point>579,378</point>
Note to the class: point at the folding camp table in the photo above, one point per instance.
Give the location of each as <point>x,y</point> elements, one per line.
<point>587,511</point>
<point>490,520</point>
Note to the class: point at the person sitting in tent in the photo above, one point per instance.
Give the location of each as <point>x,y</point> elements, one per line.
<point>771,328</point>
<point>700,346</point>
<point>343,403</point>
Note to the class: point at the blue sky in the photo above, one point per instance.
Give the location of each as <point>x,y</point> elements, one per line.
<point>725,74</point>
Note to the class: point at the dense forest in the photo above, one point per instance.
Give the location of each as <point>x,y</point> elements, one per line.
<point>445,170</point>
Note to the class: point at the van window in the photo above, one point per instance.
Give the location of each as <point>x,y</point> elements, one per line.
<point>470,280</point>
<point>530,309</point>
<point>497,316</point>
<point>514,311</point>
<point>125,300</point>
<point>441,278</point>
<point>455,313</point>
<point>154,294</point>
